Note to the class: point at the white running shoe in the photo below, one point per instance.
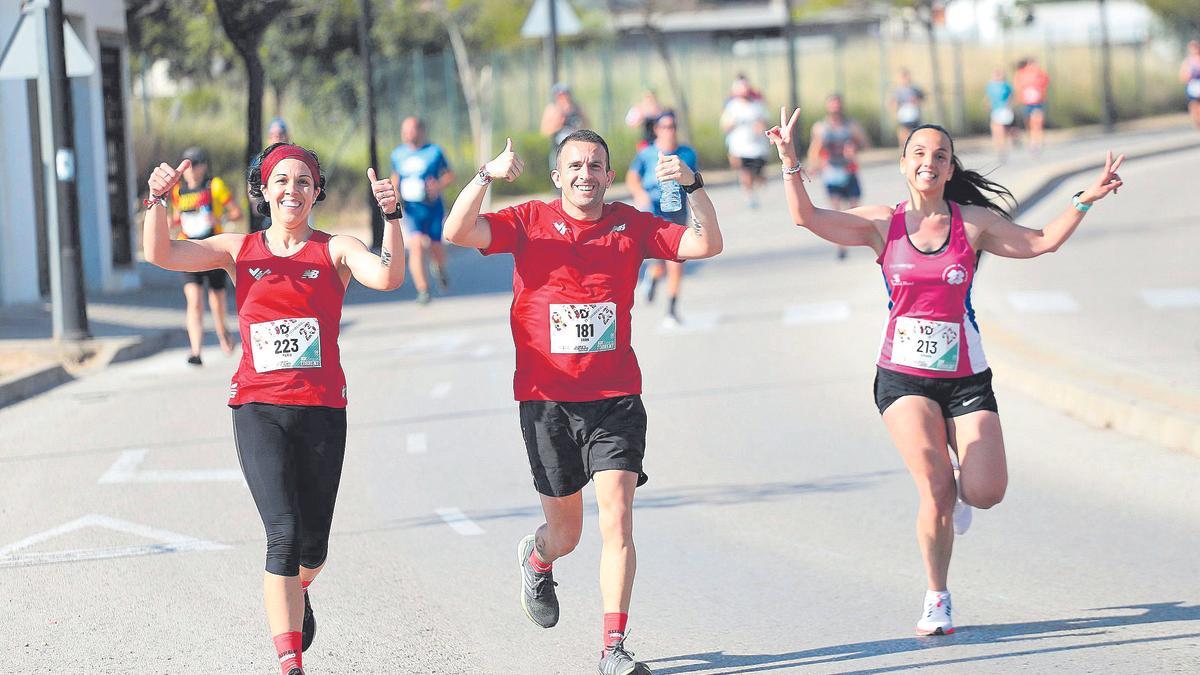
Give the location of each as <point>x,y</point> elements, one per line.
<point>935,620</point>
<point>963,513</point>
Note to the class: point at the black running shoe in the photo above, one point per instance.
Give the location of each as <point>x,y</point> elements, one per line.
<point>439,273</point>
<point>295,671</point>
<point>537,589</point>
<point>310,624</point>
<point>194,359</point>
<point>616,660</point>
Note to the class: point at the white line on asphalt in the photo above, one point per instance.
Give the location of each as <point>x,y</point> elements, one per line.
<point>125,470</point>
<point>440,390</point>
<point>1171,298</point>
<point>1042,302</point>
<point>459,522</point>
<point>416,443</point>
<point>693,322</point>
<point>167,542</point>
<point>817,312</point>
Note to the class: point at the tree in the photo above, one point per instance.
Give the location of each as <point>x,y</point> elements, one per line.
<point>473,27</point>
<point>244,24</point>
<point>926,13</point>
<point>1181,16</point>
<point>179,31</point>
<point>650,28</point>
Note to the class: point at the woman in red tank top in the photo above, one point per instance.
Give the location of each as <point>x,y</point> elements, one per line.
<point>932,386</point>
<point>288,394</point>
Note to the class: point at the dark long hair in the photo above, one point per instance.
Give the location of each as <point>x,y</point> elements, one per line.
<point>254,179</point>
<point>969,187</point>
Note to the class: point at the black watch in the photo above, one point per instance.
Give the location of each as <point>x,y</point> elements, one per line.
<point>696,185</point>
<point>394,215</point>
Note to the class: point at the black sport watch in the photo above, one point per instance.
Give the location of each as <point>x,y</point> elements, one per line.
<point>699,183</point>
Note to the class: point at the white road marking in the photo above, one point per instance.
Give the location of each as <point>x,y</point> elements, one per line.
<point>1171,298</point>
<point>693,322</point>
<point>459,522</point>
<point>125,470</point>
<point>1042,302</point>
<point>416,443</point>
<point>817,312</point>
<point>167,542</point>
<point>440,390</point>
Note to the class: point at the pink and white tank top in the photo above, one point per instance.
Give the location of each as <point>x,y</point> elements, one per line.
<point>931,329</point>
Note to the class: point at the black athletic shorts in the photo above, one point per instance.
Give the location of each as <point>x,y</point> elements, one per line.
<point>954,395</point>
<point>215,279</point>
<point>568,442</point>
<point>753,164</point>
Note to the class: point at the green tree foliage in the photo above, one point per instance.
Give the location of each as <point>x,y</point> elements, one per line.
<point>180,31</point>
<point>1181,16</point>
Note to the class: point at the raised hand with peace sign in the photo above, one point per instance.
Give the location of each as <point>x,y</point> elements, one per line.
<point>783,136</point>
<point>1108,181</point>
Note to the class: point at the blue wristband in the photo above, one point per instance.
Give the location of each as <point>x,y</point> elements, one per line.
<point>1079,206</point>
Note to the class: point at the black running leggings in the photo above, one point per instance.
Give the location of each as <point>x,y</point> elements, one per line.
<point>291,456</point>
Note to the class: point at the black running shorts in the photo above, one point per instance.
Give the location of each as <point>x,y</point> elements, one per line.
<point>954,395</point>
<point>215,279</point>
<point>753,164</point>
<point>568,442</point>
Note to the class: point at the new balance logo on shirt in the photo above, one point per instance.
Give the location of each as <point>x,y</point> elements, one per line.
<point>619,228</point>
<point>259,272</point>
<point>310,274</point>
<point>561,227</point>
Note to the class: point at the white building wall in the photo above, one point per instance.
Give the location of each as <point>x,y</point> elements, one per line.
<point>18,236</point>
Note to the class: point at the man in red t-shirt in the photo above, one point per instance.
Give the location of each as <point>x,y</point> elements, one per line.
<point>577,379</point>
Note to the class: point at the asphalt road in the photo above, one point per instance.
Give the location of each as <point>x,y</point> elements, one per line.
<point>775,534</point>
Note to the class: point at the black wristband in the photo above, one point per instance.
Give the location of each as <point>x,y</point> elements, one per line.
<point>394,215</point>
<point>696,184</point>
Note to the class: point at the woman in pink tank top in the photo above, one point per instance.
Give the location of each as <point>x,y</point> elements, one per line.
<point>288,395</point>
<point>932,385</point>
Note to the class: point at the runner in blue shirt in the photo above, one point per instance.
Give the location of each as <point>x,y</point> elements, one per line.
<point>999,95</point>
<point>646,194</point>
<point>420,172</point>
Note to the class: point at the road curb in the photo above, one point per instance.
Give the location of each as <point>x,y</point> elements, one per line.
<point>1103,407</point>
<point>31,382</point>
<point>40,379</point>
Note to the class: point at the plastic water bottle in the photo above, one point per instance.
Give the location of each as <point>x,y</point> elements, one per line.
<point>671,198</point>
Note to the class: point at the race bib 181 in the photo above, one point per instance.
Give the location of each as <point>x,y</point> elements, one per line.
<point>286,343</point>
<point>578,329</point>
<point>929,345</point>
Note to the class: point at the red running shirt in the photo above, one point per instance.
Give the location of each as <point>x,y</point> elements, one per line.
<point>289,310</point>
<point>572,295</point>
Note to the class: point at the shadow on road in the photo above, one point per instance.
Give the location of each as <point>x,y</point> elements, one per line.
<point>990,634</point>
<point>709,495</point>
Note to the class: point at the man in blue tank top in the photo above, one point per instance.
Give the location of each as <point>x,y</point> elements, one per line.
<point>420,172</point>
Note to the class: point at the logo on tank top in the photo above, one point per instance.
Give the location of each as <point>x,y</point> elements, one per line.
<point>561,227</point>
<point>954,274</point>
<point>233,389</point>
<point>310,274</point>
<point>619,228</point>
<point>259,272</point>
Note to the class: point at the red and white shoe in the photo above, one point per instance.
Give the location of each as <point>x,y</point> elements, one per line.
<point>935,620</point>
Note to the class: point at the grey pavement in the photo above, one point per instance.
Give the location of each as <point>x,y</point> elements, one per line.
<point>775,534</point>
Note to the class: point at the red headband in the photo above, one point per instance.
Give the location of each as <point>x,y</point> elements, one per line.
<point>290,152</point>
